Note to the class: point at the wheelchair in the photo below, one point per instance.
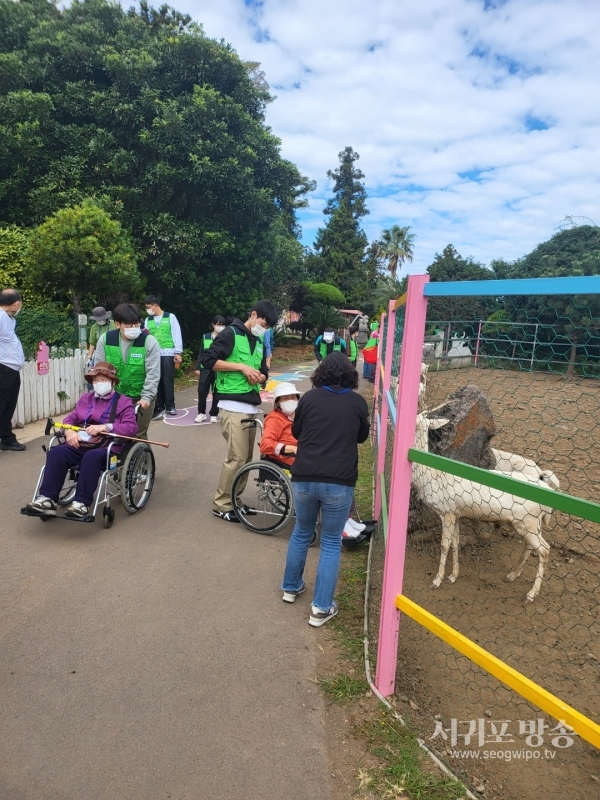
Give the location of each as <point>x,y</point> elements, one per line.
<point>128,475</point>
<point>265,488</point>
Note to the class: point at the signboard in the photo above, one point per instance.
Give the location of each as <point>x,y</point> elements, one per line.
<point>82,320</point>
<point>42,359</point>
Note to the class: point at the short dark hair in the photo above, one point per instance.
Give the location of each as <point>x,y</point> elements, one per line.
<point>335,370</point>
<point>267,311</point>
<point>127,312</point>
<point>328,330</point>
<point>151,300</point>
<point>218,319</point>
<point>9,296</point>
<point>353,329</point>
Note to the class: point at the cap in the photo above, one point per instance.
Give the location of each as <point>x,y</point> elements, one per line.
<point>100,314</point>
<point>102,369</point>
<point>285,388</point>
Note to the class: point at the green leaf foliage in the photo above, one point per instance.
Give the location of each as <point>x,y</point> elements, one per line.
<point>320,316</point>
<point>161,126</point>
<point>81,247</point>
<point>325,293</point>
<point>451,266</point>
<point>49,324</point>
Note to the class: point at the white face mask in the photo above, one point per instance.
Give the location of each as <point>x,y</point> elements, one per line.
<point>288,406</point>
<point>328,337</point>
<point>131,333</point>
<point>102,388</point>
<point>258,330</point>
<point>219,328</point>
<point>150,312</point>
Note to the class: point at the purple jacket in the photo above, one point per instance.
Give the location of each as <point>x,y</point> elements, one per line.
<point>91,410</point>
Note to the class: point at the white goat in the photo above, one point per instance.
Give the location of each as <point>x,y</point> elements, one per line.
<point>422,384</point>
<point>511,463</point>
<point>453,497</point>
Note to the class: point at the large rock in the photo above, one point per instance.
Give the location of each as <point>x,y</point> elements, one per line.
<point>468,434</point>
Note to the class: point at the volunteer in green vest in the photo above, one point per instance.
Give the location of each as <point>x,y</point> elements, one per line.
<point>102,324</point>
<point>164,326</point>
<point>238,357</point>
<point>136,355</point>
<point>353,354</point>
<point>328,343</point>
<point>206,377</point>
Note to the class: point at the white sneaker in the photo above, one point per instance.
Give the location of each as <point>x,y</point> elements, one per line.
<point>200,418</point>
<point>318,617</point>
<point>77,510</point>
<point>215,419</point>
<point>350,532</point>
<point>358,526</point>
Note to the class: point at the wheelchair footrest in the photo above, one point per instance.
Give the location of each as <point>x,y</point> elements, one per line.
<point>28,513</point>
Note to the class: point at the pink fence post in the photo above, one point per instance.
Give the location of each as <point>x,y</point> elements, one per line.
<point>478,343</point>
<point>406,416</point>
<point>387,376</point>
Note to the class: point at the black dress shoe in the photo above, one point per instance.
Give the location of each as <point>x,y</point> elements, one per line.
<point>12,446</point>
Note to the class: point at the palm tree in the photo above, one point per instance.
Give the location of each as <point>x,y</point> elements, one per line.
<point>396,247</point>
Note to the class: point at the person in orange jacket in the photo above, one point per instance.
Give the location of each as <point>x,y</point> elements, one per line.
<point>277,442</point>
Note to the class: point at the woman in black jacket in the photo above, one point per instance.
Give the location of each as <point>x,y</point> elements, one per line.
<point>330,420</point>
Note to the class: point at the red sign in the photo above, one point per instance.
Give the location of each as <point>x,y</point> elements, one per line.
<point>42,359</point>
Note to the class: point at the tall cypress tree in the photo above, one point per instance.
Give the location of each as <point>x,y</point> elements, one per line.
<point>341,244</point>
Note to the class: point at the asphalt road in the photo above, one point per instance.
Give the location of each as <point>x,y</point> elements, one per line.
<point>155,659</point>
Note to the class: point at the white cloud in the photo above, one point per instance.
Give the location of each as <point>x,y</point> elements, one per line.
<point>477,121</point>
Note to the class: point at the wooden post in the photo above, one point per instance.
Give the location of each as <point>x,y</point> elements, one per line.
<point>406,414</point>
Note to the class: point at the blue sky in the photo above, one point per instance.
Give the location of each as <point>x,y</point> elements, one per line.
<point>477,121</point>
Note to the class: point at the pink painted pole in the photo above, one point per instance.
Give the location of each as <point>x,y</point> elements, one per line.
<point>387,376</point>
<point>478,342</point>
<point>408,400</point>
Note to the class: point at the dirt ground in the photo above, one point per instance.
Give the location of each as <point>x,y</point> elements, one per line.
<point>555,640</point>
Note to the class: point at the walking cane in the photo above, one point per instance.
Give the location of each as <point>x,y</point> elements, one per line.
<point>51,424</point>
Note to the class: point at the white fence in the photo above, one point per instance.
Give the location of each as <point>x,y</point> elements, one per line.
<point>52,394</point>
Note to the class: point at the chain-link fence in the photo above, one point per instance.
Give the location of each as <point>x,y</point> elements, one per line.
<point>494,407</point>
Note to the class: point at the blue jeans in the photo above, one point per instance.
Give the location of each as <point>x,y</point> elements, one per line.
<point>334,502</point>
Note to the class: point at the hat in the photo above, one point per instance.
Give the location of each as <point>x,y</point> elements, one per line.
<point>285,388</point>
<point>100,314</point>
<point>102,369</point>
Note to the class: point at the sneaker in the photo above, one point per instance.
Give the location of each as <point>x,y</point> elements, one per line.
<point>158,415</point>
<point>290,597</point>
<point>200,418</point>
<point>228,516</point>
<point>313,540</point>
<point>215,419</point>
<point>247,511</point>
<point>172,412</point>
<point>42,505</point>
<point>349,532</point>
<point>318,617</point>
<point>358,526</point>
<point>12,446</point>
<point>77,510</point>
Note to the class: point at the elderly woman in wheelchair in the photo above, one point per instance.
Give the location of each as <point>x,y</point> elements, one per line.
<point>86,452</point>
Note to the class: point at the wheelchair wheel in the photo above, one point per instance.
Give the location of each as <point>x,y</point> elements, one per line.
<point>267,491</point>
<point>67,493</point>
<point>137,477</point>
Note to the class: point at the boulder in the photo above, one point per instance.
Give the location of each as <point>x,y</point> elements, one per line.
<point>470,429</point>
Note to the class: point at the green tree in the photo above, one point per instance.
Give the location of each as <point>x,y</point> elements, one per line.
<point>341,244</point>
<point>163,127</point>
<point>320,316</point>
<point>571,252</point>
<point>389,288</point>
<point>79,251</point>
<point>325,293</point>
<point>395,247</point>
<point>451,266</point>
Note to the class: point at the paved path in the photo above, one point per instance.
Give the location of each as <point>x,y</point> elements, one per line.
<point>155,659</point>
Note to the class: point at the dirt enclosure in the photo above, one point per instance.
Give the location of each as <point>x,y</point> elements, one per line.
<point>555,640</point>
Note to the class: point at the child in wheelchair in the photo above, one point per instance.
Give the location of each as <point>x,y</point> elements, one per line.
<point>101,411</point>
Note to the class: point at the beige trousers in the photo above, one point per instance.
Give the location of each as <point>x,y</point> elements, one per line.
<point>240,450</point>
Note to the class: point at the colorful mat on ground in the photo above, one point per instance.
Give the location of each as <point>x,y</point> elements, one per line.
<point>186,416</point>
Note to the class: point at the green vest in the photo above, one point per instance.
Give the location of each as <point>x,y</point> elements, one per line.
<point>335,346</point>
<point>133,373</point>
<point>236,382</point>
<point>162,332</point>
<point>353,350</point>
<point>206,343</point>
